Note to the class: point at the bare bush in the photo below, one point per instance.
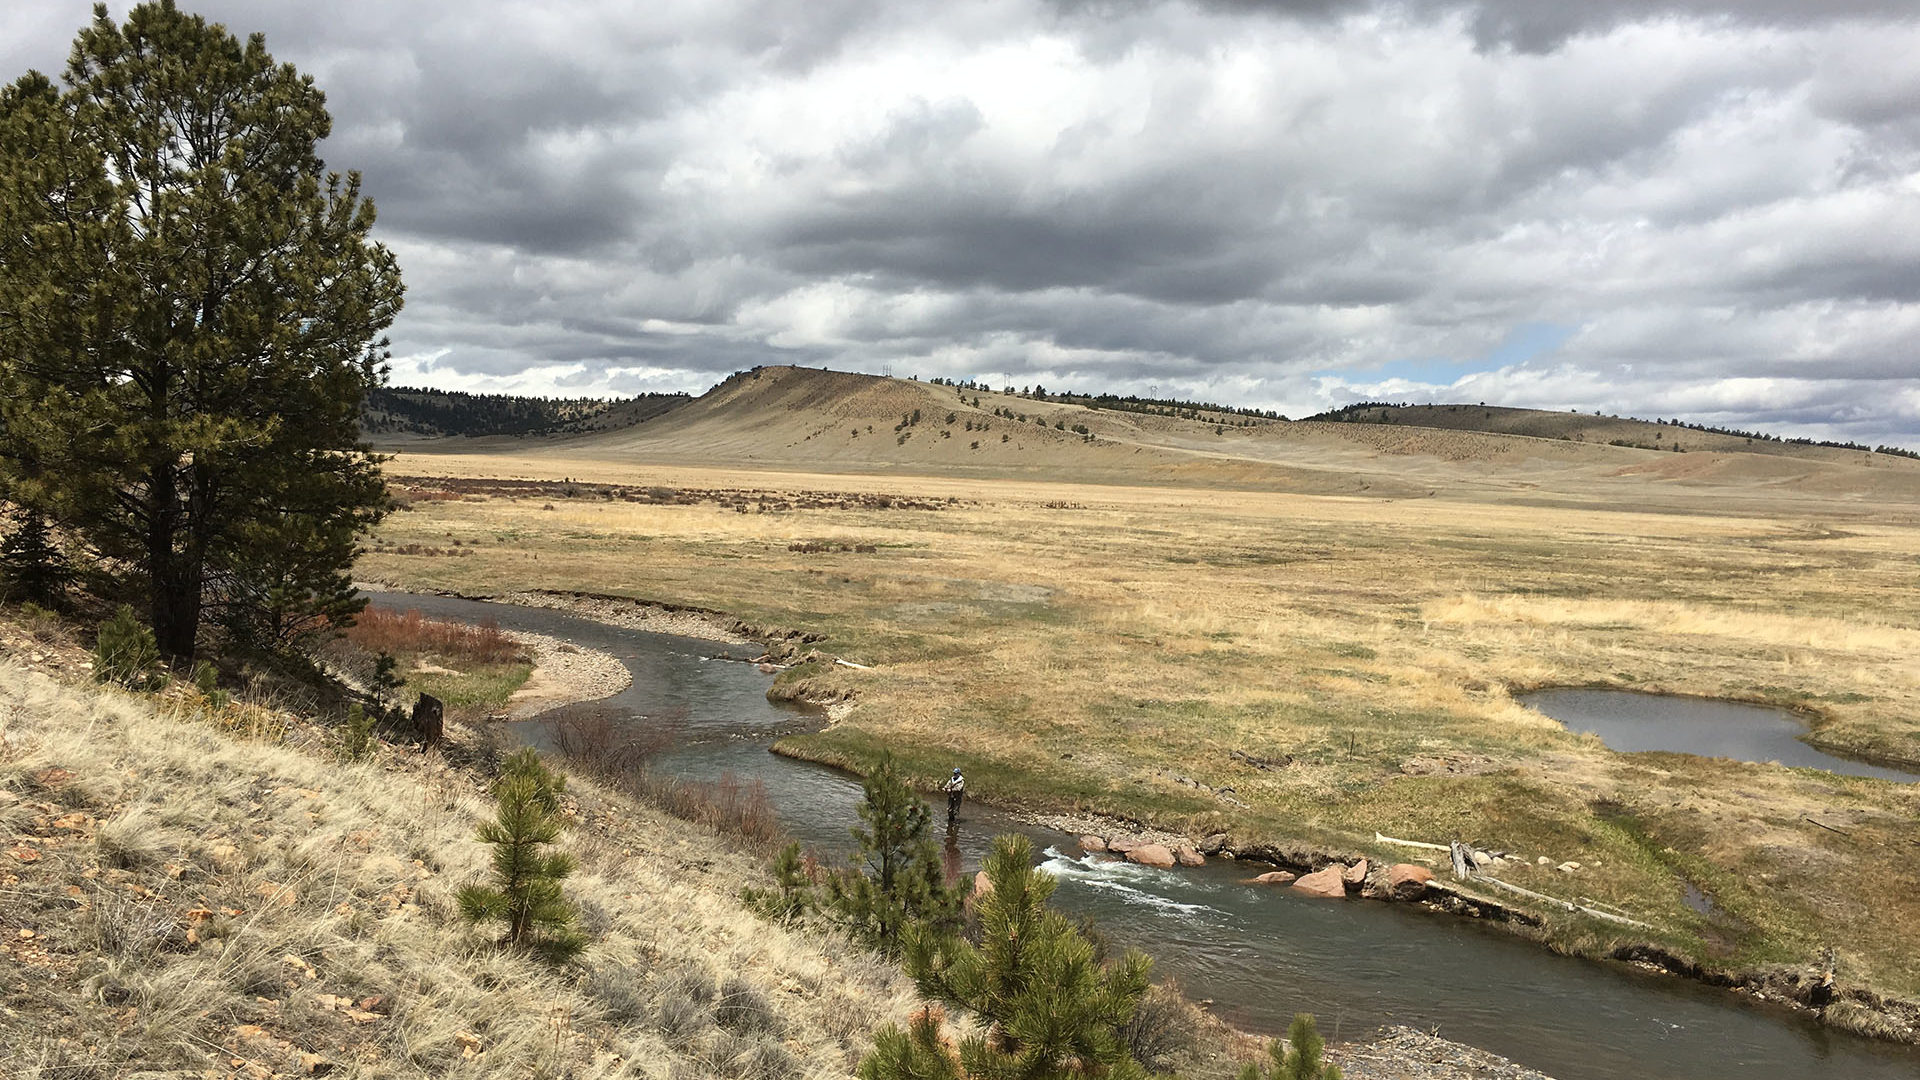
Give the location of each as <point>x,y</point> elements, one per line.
<point>379,629</point>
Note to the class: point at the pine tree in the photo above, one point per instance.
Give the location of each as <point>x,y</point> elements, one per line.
<point>1052,1011</point>
<point>897,878</point>
<point>32,567</point>
<point>1299,1058</point>
<point>792,894</point>
<point>190,311</point>
<point>526,892</point>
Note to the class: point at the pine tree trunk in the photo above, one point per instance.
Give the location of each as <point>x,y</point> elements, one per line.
<point>175,575</point>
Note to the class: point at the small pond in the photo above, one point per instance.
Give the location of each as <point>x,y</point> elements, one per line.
<point>1628,720</point>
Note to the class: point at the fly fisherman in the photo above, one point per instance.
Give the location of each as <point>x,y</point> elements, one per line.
<point>956,789</point>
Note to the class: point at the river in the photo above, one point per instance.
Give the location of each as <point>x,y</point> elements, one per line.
<point>1260,954</point>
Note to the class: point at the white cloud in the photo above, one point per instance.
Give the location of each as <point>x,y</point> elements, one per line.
<point>1724,196</point>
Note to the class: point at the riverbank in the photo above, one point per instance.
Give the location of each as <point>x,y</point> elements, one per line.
<point>821,684</point>
<point>563,674</point>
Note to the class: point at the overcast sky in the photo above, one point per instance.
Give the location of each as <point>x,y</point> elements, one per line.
<point>1698,208</point>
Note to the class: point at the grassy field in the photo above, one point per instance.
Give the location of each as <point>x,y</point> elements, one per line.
<point>1107,647</point>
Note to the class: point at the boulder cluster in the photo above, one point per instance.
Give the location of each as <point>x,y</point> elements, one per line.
<point>1333,879</point>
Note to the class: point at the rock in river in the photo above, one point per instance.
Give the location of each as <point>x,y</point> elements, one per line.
<point>1092,843</point>
<point>1152,855</point>
<point>1407,881</point>
<point>1329,882</point>
<point>1356,875</point>
<point>1274,877</point>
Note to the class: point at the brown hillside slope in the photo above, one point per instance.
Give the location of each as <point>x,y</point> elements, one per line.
<point>183,901</point>
<point>806,418</point>
<point>828,422</point>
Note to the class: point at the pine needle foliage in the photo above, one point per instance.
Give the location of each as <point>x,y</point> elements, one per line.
<point>897,879</point>
<point>1298,1058</point>
<point>1052,1011</point>
<point>792,894</point>
<point>525,893</point>
<point>124,652</point>
<point>33,569</point>
<point>191,307</point>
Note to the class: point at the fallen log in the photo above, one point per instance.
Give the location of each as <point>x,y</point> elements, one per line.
<point>1565,905</point>
<point>1380,839</point>
<point>851,664</point>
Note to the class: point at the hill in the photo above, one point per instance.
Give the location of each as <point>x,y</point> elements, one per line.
<point>399,413</point>
<point>1671,436</point>
<point>815,420</point>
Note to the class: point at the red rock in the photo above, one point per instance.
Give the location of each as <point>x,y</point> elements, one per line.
<point>1355,875</point>
<point>1120,845</point>
<point>1092,843</point>
<point>1327,882</point>
<point>1407,881</point>
<point>1274,877</point>
<point>1152,855</point>
<point>1186,856</point>
<point>981,886</point>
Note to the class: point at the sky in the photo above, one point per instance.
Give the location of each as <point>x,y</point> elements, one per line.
<point>1703,209</point>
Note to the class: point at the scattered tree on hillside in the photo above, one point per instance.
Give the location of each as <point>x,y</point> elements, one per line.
<point>190,310</point>
<point>1052,1011</point>
<point>897,879</point>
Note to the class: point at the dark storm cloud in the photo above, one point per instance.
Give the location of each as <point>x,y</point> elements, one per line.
<point>1273,203</point>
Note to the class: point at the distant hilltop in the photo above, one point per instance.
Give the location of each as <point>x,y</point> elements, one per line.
<point>1670,435</point>
<point>405,414</point>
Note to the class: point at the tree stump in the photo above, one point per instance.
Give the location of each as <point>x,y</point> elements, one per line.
<point>429,716</point>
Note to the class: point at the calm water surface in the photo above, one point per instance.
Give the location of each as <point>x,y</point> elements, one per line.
<point>1629,721</point>
<point>1260,954</point>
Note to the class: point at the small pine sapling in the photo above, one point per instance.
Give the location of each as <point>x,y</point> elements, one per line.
<point>897,878</point>
<point>1050,1008</point>
<point>206,679</point>
<point>1299,1058</point>
<point>32,567</point>
<point>525,894</point>
<point>792,894</point>
<point>124,652</point>
<point>356,735</point>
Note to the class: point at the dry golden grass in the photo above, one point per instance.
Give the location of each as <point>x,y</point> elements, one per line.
<point>179,901</point>
<point>1084,645</point>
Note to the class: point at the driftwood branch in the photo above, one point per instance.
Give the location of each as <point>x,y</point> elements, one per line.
<point>851,664</point>
<point>1379,839</point>
<point>1565,905</point>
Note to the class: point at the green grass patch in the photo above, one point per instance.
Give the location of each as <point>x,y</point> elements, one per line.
<point>480,686</point>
